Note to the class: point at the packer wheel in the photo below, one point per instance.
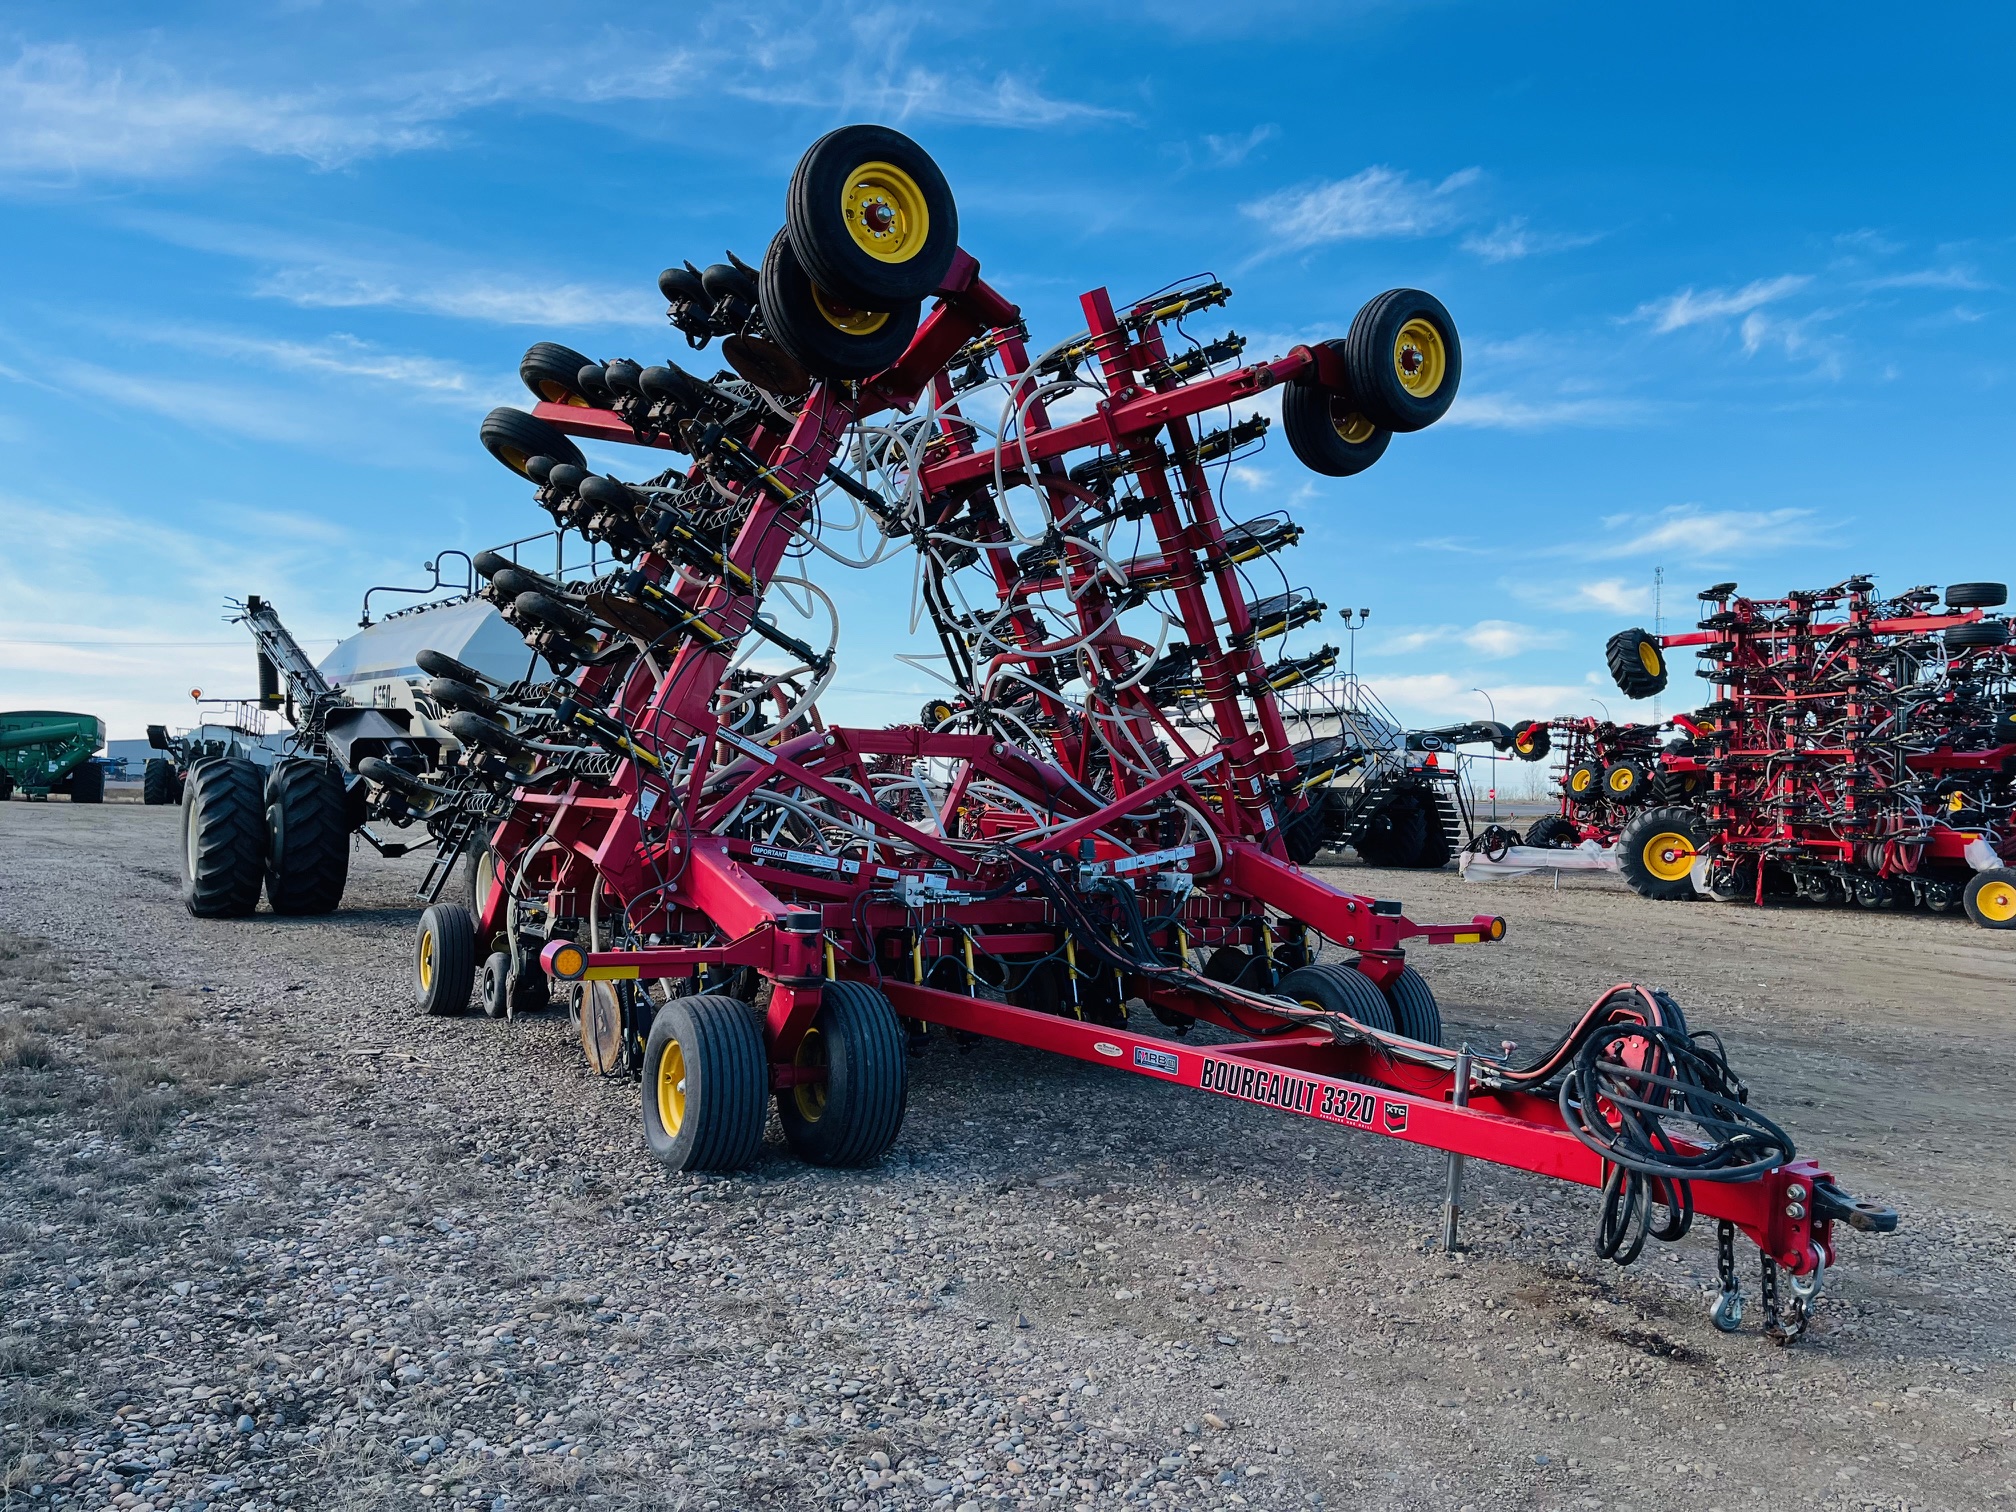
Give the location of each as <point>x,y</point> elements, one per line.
<point>705,1084</point>
<point>444,960</point>
<point>852,1115</point>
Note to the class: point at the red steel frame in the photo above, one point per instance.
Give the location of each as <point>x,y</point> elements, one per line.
<point>646,840</point>
<point>1809,748</point>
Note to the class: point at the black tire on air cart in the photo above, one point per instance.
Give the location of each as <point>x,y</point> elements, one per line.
<point>157,782</point>
<point>872,217</point>
<point>1396,835</point>
<point>87,783</point>
<point>307,836</point>
<point>444,960</point>
<point>706,1084</point>
<point>822,334</point>
<point>224,839</point>
<point>852,1117</point>
<point>1328,431</point>
<point>1404,360</point>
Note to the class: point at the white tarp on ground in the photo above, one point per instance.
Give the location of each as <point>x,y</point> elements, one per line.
<point>1524,860</point>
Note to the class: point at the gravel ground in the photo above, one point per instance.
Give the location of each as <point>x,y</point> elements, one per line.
<point>269,1239</point>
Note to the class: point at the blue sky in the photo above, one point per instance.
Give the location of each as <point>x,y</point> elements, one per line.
<point>1732,282</point>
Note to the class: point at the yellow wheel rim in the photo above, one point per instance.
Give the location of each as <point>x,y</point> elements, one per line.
<point>1669,857</point>
<point>810,1097</point>
<point>1622,781</point>
<point>672,1088</point>
<point>553,393</point>
<point>1420,359</point>
<point>845,317</point>
<point>426,959</point>
<point>1997,902</point>
<point>486,877</point>
<point>1648,657</point>
<point>885,212</point>
<point>1351,426</point>
<point>1579,783</point>
<point>513,459</point>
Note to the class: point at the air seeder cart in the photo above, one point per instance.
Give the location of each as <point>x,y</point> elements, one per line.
<point>745,905</point>
<point>43,751</point>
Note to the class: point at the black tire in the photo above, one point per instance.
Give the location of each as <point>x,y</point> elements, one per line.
<point>495,984</point>
<point>1656,853</point>
<point>1626,781</point>
<point>87,783</point>
<point>852,1117</point>
<point>514,438</point>
<point>157,782</point>
<point>829,339</point>
<point>1404,360</point>
<point>1990,899</point>
<point>1980,633</point>
<point>1434,853</point>
<point>1554,832</point>
<point>444,960</point>
<point>831,211</point>
<point>224,839</point>
<point>1637,663</point>
<point>1328,431</point>
<point>1339,989</point>
<point>1532,740</point>
<point>307,836</point>
<point>1236,968</point>
<point>527,988</point>
<point>1304,833</point>
<point>1584,782</point>
<point>1415,1011</point>
<point>706,1083</point>
<point>1395,834</point>
<point>1977,595</point>
<point>552,372</point>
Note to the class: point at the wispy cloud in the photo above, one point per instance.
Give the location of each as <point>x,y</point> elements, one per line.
<point>1687,532</point>
<point>1687,308</point>
<point>1493,639</point>
<point>1615,595</point>
<point>340,355</point>
<point>1375,203</point>
<point>1231,151</point>
<point>1489,411</point>
<point>1512,239</point>
<point>1930,278</point>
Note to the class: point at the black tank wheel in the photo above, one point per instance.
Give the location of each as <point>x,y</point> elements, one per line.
<point>849,1116</point>
<point>307,836</point>
<point>515,438</point>
<point>1396,834</point>
<point>1554,832</point>
<point>157,782</point>
<point>224,839</point>
<point>706,1084</point>
<point>1637,663</point>
<point>1328,431</point>
<point>1656,853</point>
<point>87,783</point>
<point>444,960</point>
<point>826,336</point>
<point>873,218</point>
<point>1339,989</point>
<point>1404,360</point>
<point>1415,1012</point>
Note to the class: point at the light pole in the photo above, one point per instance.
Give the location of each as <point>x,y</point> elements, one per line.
<point>1490,704</point>
<point>1345,615</point>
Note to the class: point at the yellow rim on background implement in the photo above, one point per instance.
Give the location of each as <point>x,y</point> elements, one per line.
<point>1668,856</point>
<point>1622,780</point>
<point>810,1097</point>
<point>885,212</point>
<point>1419,358</point>
<point>672,1088</point>
<point>1580,780</point>
<point>1648,657</point>
<point>845,317</point>
<point>426,959</point>
<point>1997,901</point>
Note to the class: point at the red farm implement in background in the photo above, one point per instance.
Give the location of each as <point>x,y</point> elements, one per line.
<point>1105,811</point>
<point>1632,786</point>
<point>1858,749</point>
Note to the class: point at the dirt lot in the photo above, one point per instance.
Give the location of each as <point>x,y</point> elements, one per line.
<point>269,1239</point>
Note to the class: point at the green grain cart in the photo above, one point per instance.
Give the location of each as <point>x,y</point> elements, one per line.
<point>43,752</point>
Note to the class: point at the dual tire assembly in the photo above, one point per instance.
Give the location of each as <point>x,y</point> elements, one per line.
<point>248,829</point>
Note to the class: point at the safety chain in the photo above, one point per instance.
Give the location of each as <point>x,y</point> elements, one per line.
<point>1726,1310</point>
<point>1805,1292</point>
